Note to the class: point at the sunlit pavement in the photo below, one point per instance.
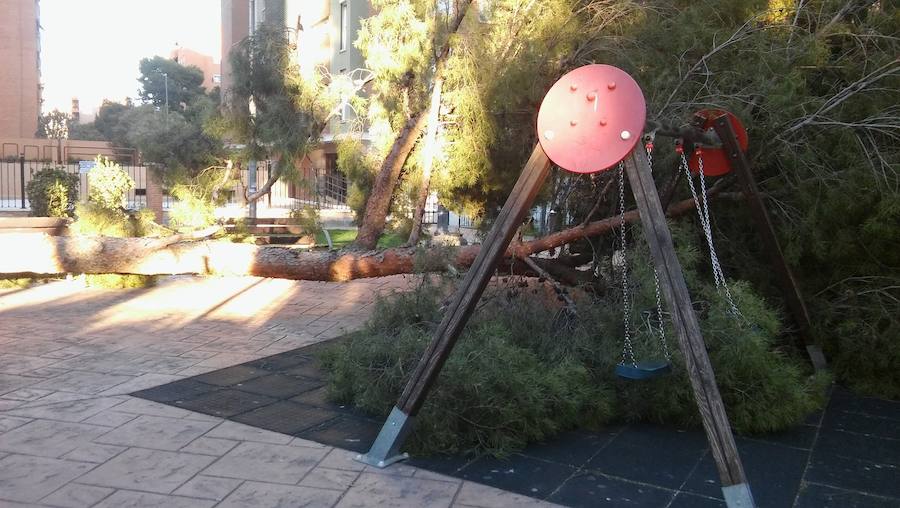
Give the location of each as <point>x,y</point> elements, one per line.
<point>71,436</point>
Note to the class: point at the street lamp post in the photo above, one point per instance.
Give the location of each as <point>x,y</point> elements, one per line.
<point>166,76</point>
<point>251,166</point>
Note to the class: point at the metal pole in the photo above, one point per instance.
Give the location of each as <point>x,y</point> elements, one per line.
<point>166,76</point>
<point>22,177</point>
<point>251,187</point>
<point>251,167</point>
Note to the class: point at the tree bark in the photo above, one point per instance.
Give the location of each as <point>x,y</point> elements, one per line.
<point>434,114</point>
<point>41,254</point>
<point>379,203</point>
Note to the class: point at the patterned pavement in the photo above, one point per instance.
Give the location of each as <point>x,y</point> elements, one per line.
<point>70,436</point>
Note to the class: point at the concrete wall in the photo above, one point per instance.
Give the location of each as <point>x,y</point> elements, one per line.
<point>348,58</point>
<point>20,67</point>
<point>42,149</point>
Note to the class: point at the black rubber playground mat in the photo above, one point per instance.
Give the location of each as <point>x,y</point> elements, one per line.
<point>846,456</point>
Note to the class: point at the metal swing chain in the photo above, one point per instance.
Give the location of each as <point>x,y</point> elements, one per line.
<point>627,348</point>
<point>703,213</point>
<point>659,313</point>
<point>661,330</point>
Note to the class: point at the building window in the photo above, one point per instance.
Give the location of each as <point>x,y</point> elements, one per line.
<point>344,21</point>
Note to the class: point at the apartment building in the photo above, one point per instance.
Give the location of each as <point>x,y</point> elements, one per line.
<point>206,63</point>
<point>20,59</point>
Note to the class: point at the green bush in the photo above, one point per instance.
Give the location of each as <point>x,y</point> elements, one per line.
<point>240,233</point>
<point>861,323</point>
<point>52,192</point>
<point>17,283</point>
<point>307,218</point>
<point>108,184</point>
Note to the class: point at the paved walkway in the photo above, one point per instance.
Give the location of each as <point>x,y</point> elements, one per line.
<point>70,435</point>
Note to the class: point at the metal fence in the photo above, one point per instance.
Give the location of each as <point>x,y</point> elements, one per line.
<point>316,187</point>
<point>435,214</point>
<point>15,175</point>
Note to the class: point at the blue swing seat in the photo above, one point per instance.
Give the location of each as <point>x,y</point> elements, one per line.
<point>643,370</point>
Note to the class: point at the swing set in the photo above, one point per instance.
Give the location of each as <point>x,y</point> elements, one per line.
<point>592,120</point>
<point>629,367</point>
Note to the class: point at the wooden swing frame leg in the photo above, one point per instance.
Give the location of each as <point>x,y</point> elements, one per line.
<point>766,231</point>
<point>385,449</point>
<point>700,372</point>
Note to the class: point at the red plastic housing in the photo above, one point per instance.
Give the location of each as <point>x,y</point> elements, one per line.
<point>715,160</point>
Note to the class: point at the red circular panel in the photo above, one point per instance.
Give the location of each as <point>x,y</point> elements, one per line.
<point>591,118</point>
<point>715,161</point>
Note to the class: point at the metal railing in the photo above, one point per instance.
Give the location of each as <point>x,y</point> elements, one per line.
<point>15,175</point>
<point>316,187</point>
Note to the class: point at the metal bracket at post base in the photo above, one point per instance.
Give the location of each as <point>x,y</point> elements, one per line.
<point>738,496</point>
<point>386,448</point>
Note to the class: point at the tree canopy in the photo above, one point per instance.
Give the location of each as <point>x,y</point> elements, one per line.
<point>163,76</point>
<point>180,141</point>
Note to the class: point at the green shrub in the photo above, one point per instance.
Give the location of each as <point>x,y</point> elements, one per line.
<point>240,233</point>
<point>861,326</point>
<point>307,218</point>
<point>108,184</point>
<point>52,192</point>
<point>95,220</point>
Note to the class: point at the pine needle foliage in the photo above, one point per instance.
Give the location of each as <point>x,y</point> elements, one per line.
<point>524,370</point>
<point>289,107</point>
<point>475,406</point>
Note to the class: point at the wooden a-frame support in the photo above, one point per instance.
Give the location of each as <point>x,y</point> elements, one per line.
<point>386,448</point>
<point>766,231</point>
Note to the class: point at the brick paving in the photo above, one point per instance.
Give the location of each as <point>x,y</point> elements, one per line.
<point>70,436</point>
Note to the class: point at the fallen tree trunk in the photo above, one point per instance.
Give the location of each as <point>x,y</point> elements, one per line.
<point>41,254</point>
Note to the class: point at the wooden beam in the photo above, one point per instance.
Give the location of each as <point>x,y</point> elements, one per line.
<point>766,231</point>
<point>469,292</point>
<point>678,300</point>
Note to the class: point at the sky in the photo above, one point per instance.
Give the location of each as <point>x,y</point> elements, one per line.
<point>90,49</point>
